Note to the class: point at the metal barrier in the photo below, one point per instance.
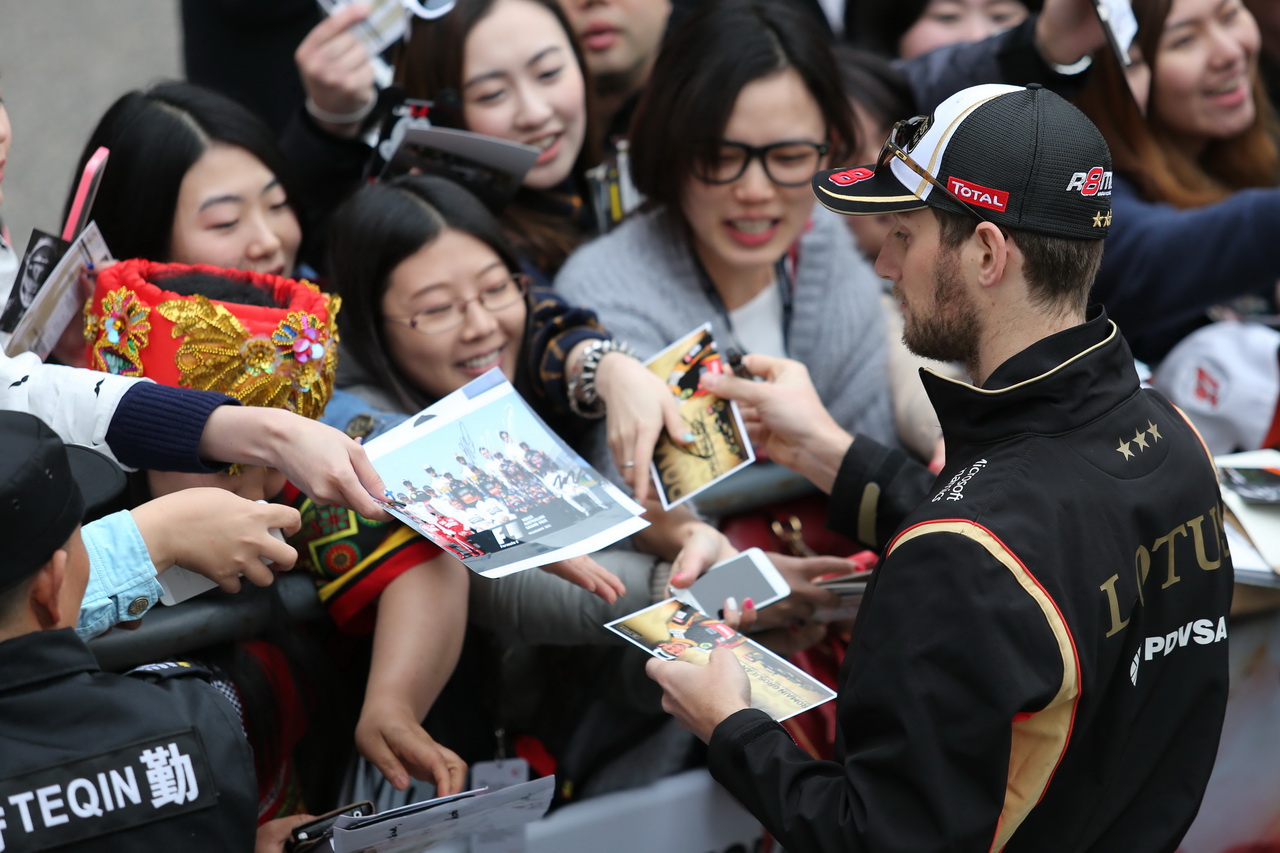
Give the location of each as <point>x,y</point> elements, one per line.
<point>215,617</point>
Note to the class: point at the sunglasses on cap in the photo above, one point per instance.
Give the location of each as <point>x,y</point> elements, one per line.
<point>902,140</point>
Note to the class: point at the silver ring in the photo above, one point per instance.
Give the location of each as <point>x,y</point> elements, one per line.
<point>628,464</point>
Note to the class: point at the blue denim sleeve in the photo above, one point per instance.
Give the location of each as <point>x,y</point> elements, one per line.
<point>122,578</point>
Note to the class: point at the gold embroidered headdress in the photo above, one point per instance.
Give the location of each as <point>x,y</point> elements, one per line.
<point>283,357</point>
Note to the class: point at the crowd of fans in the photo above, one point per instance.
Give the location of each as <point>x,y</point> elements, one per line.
<point>244,210</point>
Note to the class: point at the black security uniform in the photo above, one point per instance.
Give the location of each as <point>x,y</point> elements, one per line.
<point>94,761</point>
<point>1040,663</point>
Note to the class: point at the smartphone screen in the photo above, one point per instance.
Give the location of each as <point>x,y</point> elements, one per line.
<point>740,578</point>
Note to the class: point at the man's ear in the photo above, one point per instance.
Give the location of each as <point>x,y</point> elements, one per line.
<point>993,248</point>
<point>46,591</point>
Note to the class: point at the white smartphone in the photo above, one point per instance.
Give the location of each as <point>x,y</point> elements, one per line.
<point>749,575</point>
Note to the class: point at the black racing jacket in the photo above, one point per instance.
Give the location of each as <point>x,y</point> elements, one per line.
<point>94,761</point>
<point>1040,663</point>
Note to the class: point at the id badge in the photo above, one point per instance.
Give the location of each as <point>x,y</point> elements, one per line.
<point>496,775</point>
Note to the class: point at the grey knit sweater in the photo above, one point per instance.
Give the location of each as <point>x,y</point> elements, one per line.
<point>641,281</point>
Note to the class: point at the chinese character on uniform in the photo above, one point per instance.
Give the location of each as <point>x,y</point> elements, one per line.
<point>170,775</point>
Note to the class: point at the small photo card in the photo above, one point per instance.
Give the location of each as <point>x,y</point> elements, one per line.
<point>483,477</point>
<point>671,630</point>
<point>42,256</point>
<point>720,444</point>
<point>60,300</point>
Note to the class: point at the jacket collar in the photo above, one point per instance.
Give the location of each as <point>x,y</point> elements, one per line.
<point>43,656</point>
<point>1051,387</point>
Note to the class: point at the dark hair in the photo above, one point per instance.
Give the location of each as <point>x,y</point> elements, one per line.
<point>430,68</point>
<point>704,66</point>
<point>879,25</point>
<point>1059,270</point>
<point>1145,152</point>
<point>217,287</point>
<point>875,84</point>
<point>369,236</point>
<point>155,137</point>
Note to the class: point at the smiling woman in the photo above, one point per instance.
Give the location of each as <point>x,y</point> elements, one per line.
<point>194,178</point>
<point>1195,193</point>
<point>515,72</point>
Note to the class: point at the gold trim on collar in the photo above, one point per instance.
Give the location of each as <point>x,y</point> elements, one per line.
<point>994,391</point>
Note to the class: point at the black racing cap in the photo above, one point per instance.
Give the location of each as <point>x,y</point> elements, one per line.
<point>46,488</point>
<point>1019,157</point>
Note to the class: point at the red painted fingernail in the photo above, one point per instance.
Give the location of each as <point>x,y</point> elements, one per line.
<point>748,604</point>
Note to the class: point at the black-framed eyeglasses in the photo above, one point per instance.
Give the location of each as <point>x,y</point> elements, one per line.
<point>902,140</point>
<point>493,297</point>
<point>790,163</point>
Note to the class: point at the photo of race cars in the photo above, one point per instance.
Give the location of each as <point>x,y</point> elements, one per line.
<point>484,478</point>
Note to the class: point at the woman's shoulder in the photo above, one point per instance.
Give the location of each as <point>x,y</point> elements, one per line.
<point>629,252</point>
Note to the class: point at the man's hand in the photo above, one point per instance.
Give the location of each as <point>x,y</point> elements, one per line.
<point>325,463</point>
<point>335,68</point>
<point>590,575</point>
<point>397,744</point>
<point>700,697</point>
<point>217,534</point>
<point>785,418</point>
<point>1068,30</point>
<point>638,406</point>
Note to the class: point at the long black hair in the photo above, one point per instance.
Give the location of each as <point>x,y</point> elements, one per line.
<point>155,136</point>
<point>369,236</point>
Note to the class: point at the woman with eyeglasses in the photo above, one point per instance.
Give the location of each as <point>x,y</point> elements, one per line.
<point>744,105</point>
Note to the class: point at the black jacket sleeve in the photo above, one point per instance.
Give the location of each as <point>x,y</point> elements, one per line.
<point>954,652</point>
<point>874,490</point>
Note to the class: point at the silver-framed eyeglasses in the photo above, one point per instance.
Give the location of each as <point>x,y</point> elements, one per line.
<point>790,163</point>
<point>493,297</point>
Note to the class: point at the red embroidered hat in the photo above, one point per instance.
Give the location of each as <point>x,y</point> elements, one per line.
<point>283,357</point>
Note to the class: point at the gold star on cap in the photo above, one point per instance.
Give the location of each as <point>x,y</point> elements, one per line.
<point>1124,448</point>
<point>1097,219</point>
<point>1107,221</point>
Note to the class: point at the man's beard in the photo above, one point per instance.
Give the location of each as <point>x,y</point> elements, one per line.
<point>951,331</point>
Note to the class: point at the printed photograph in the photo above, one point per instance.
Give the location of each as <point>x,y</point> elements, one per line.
<point>720,444</point>
<point>671,630</point>
<point>60,300</point>
<point>42,255</point>
<point>483,477</point>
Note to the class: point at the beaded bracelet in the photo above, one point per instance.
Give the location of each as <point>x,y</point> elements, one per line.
<point>584,397</point>
<point>319,113</point>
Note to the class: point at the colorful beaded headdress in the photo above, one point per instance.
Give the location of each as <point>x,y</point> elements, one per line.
<point>279,357</point>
